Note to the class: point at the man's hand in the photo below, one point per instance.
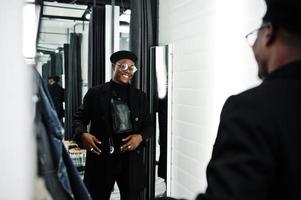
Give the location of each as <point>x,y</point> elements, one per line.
<point>90,142</point>
<point>132,142</point>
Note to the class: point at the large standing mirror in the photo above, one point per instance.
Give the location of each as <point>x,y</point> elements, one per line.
<point>75,39</point>
<point>161,60</point>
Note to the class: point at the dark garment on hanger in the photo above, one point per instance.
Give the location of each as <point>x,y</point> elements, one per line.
<point>55,166</point>
<point>46,165</point>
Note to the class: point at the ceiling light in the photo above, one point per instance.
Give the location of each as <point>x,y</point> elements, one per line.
<point>88,15</point>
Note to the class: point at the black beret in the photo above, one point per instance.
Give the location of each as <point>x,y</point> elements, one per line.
<point>118,55</point>
<point>284,13</point>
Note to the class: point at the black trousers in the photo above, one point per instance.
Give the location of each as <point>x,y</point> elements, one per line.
<point>102,185</point>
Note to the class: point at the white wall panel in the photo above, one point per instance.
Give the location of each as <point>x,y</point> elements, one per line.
<point>211,60</point>
<point>17,144</point>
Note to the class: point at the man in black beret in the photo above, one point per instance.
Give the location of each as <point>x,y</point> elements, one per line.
<point>120,122</point>
<point>256,155</point>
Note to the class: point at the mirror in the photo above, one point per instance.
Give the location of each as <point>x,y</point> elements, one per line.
<point>64,50</point>
<point>161,60</point>
<point>62,44</point>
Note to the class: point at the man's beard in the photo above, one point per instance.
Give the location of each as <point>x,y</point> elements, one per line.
<point>262,71</point>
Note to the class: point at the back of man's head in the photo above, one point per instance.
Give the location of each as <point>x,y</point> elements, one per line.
<point>285,14</point>
<point>56,78</point>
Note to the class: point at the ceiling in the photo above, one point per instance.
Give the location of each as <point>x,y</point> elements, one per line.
<point>63,9</point>
<point>59,19</point>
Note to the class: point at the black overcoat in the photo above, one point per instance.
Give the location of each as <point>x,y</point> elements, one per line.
<point>257,152</point>
<point>58,97</point>
<point>96,110</point>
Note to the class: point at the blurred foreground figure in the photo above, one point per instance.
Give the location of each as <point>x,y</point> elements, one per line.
<point>256,155</point>
<point>257,151</point>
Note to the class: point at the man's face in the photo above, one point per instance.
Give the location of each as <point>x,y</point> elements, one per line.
<point>260,52</point>
<point>121,75</point>
<point>50,81</point>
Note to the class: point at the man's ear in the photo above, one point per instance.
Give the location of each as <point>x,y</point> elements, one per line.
<point>270,34</point>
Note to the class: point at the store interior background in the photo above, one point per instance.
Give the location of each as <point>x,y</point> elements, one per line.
<point>211,60</point>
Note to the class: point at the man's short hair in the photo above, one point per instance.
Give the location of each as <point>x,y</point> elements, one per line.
<point>285,14</point>
<point>55,78</point>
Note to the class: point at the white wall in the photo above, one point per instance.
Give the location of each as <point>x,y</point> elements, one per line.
<point>211,61</point>
<point>17,138</point>
<point>83,28</point>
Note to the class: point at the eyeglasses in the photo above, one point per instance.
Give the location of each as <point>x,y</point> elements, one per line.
<point>124,67</point>
<point>252,36</point>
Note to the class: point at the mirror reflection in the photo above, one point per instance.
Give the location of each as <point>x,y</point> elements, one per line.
<point>63,44</point>
<point>70,44</point>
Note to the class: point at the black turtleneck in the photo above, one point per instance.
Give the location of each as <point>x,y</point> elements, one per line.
<point>121,90</point>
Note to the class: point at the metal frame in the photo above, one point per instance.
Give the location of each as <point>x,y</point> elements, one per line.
<point>121,3</point>
<point>65,17</point>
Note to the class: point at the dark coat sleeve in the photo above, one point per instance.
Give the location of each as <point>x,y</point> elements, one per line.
<point>83,116</point>
<point>147,125</point>
<point>242,163</point>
